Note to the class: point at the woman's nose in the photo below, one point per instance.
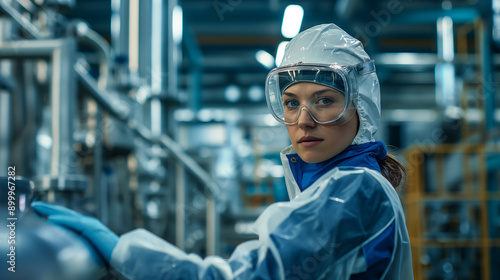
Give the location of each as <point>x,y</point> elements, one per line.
<point>305,119</point>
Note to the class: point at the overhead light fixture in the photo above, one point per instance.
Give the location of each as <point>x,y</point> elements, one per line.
<point>265,58</point>
<point>280,52</point>
<point>232,93</point>
<point>446,47</point>
<point>255,92</point>
<point>177,24</point>
<point>292,20</point>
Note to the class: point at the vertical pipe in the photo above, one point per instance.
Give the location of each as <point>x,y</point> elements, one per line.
<point>124,44</point>
<point>174,54</point>
<point>156,116</point>
<point>487,90</point>
<point>133,43</point>
<point>213,227</point>
<point>100,189</point>
<point>156,46</point>
<point>29,97</point>
<point>5,104</point>
<point>169,87</point>
<point>195,56</point>
<point>120,33</point>
<point>180,206</point>
<point>156,68</point>
<point>5,130</point>
<point>120,26</point>
<point>63,106</point>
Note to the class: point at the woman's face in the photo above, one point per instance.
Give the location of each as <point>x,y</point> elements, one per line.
<point>317,142</point>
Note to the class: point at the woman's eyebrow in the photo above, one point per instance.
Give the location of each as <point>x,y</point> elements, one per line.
<point>316,93</point>
<point>327,90</point>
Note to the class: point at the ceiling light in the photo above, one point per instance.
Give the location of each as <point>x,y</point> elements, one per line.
<point>232,93</point>
<point>177,24</point>
<point>255,92</point>
<point>265,58</point>
<point>280,52</point>
<point>292,20</point>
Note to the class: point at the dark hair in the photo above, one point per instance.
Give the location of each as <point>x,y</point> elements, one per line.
<point>393,170</point>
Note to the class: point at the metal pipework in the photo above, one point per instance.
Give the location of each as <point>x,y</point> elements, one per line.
<point>61,52</point>
<point>22,21</point>
<point>122,113</point>
<point>84,32</point>
<point>96,41</point>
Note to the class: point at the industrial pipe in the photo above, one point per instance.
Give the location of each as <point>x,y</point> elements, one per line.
<point>164,140</point>
<point>62,94</point>
<point>22,21</point>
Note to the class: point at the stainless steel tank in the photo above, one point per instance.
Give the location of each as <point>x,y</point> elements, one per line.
<point>33,248</point>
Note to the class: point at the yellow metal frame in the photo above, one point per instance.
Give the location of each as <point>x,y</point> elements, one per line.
<point>415,196</point>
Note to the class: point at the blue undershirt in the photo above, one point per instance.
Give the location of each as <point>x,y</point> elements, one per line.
<point>364,155</point>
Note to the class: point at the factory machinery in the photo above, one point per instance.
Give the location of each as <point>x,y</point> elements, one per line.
<point>452,197</point>
<point>91,126</point>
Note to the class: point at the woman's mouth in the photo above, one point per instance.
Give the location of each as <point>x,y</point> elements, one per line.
<point>309,141</point>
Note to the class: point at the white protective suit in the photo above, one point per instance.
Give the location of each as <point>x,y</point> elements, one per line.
<point>331,230</point>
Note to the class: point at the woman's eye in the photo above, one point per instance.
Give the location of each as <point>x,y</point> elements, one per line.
<point>325,101</point>
<point>291,104</point>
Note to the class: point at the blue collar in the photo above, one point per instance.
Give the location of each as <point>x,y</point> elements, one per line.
<point>364,155</point>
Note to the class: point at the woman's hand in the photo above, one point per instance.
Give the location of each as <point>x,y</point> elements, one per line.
<point>103,239</point>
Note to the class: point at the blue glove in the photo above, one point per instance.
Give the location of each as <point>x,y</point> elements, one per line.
<point>103,239</point>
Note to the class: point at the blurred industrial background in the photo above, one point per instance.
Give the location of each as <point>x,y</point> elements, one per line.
<point>151,113</point>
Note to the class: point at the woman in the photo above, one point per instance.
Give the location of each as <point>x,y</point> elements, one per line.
<point>344,220</point>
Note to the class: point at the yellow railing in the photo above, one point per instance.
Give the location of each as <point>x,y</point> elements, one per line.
<point>431,182</point>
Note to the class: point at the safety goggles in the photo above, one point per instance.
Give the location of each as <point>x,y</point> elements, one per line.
<point>334,105</point>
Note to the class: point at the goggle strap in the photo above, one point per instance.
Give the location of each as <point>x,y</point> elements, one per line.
<point>366,67</point>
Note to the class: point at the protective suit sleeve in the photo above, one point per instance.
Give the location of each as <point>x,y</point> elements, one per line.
<point>318,235</point>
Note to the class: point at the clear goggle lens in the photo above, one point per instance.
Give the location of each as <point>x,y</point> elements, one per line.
<point>330,103</point>
<point>327,105</point>
<point>334,104</point>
